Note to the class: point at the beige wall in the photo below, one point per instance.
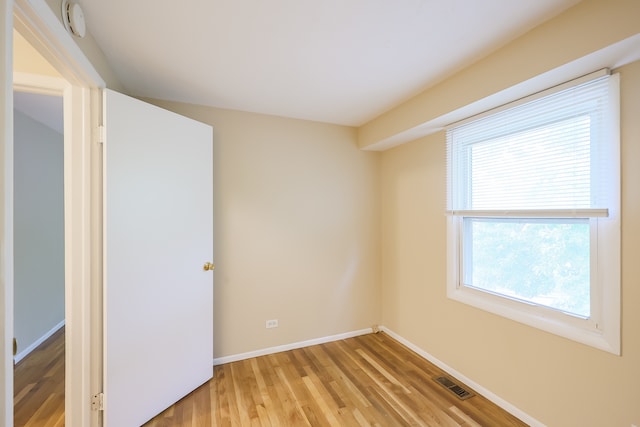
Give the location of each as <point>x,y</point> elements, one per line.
<point>557,381</point>
<point>303,220</point>
<point>296,229</point>
<point>27,60</point>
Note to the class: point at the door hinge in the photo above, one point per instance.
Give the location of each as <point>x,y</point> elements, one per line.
<point>101,134</point>
<point>97,402</point>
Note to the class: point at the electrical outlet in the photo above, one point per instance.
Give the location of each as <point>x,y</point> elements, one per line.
<point>272,323</point>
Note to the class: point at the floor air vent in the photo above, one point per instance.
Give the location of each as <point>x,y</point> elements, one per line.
<point>454,388</point>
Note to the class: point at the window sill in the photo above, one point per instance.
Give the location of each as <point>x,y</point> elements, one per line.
<point>585,331</point>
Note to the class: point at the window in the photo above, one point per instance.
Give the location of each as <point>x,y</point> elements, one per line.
<point>533,196</point>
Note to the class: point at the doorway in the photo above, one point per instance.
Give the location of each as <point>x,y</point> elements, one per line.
<point>78,86</point>
<point>38,258</point>
<point>84,221</point>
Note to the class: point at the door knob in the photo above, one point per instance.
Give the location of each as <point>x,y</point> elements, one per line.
<point>208,266</point>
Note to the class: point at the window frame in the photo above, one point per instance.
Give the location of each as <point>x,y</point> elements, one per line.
<point>602,329</point>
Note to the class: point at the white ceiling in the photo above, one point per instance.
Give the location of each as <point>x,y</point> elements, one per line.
<point>337,61</point>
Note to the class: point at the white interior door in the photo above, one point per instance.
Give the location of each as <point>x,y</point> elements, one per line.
<point>158,318</point>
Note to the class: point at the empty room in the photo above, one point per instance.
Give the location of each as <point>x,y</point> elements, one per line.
<point>331,213</point>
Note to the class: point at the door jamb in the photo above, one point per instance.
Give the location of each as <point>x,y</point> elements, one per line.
<point>6,213</point>
<point>42,28</point>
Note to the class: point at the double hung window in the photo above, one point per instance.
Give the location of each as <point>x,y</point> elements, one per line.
<point>533,211</point>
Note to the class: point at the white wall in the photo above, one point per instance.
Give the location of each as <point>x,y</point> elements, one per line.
<point>38,231</point>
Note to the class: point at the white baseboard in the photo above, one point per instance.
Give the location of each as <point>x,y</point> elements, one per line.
<point>286,347</point>
<point>24,353</point>
<point>477,387</point>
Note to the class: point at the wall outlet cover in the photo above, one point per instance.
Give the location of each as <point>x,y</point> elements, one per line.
<point>272,323</point>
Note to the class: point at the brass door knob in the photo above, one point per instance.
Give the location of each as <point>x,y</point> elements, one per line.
<point>208,266</point>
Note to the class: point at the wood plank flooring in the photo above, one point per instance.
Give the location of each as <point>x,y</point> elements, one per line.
<point>38,385</point>
<point>370,380</point>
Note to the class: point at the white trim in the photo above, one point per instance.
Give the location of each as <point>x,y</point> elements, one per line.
<point>94,105</point>
<point>77,207</point>
<point>512,409</point>
<point>40,26</point>
<point>287,347</point>
<point>537,95</point>
<point>6,214</point>
<point>531,213</point>
<point>24,353</point>
<point>41,84</point>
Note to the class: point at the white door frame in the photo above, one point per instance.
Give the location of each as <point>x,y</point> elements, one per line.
<point>41,27</point>
<point>6,214</point>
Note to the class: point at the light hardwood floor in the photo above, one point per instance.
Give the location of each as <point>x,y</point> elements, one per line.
<point>38,385</point>
<point>370,380</point>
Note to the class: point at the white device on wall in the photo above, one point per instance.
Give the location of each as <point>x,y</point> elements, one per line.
<point>73,18</point>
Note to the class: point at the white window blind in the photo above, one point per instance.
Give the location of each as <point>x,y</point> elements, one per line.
<point>543,157</point>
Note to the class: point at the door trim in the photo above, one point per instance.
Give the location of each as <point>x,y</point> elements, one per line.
<point>43,29</point>
<point>6,214</point>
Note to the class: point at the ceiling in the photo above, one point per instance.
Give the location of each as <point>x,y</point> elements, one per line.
<point>336,61</point>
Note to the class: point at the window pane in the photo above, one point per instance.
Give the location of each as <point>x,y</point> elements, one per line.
<point>541,261</point>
